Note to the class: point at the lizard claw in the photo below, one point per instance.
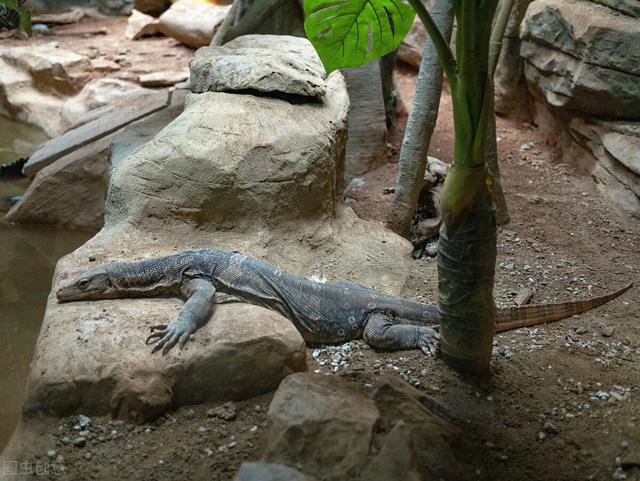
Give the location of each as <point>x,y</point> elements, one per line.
<point>429,342</point>
<point>165,337</point>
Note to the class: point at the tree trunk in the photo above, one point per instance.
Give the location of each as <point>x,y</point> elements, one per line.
<point>420,125</point>
<point>466,269</point>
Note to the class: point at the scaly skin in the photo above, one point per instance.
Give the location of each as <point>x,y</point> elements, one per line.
<point>323,313</point>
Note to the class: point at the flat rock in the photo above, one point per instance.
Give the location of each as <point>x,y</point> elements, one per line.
<point>163,78</point>
<point>265,63</point>
<point>69,193</point>
<point>192,22</point>
<point>140,25</point>
<point>245,351</point>
<point>322,424</point>
<point>270,472</point>
<point>96,129</point>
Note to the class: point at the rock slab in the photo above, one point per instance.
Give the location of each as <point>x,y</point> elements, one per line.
<point>265,63</point>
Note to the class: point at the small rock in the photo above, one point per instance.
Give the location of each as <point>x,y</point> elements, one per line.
<point>431,249</point>
<point>140,25</point>
<point>163,78</point>
<point>428,227</point>
<point>87,455</point>
<point>226,411</point>
<point>541,436</point>
<point>190,414</point>
<point>92,257</point>
<point>388,190</point>
<point>607,331</point>
<point>51,453</point>
<point>581,330</point>
<point>84,422</point>
<point>523,297</point>
<point>624,444</point>
<point>79,442</point>
<point>619,474</point>
<point>550,428</point>
<point>527,146</point>
<point>59,459</point>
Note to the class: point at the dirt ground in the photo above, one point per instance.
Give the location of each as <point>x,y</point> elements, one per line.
<point>563,400</point>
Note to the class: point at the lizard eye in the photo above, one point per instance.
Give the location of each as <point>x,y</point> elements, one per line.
<point>82,283</point>
<point>108,282</point>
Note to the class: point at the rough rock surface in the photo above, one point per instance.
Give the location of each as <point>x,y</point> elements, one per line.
<point>367,141</point>
<point>104,124</point>
<point>322,424</point>
<point>266,63</point>
<point>582,63</point>
<point>104,362</point>
<point>36,80</point>
<point>140,24</point>
<point>270,472</point>
<point>610,150</point>
<point>192,22</point>
<point>163,78</point>
<point>583,57</point>
<point>69,193</point>
<point>334,429</point>
<point>242,147</point>
<point>239,172</point>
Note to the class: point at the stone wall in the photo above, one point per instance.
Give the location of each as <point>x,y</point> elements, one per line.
<point>582,65</point>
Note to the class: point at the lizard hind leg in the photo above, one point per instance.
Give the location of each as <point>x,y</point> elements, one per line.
<point>384,332</point>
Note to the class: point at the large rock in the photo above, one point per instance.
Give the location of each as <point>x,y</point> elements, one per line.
<point>627,7</point>
<point>152,7</point>
<point>610,151</point>
<point>266,63</point>
<point>103,125</point>
<point>245,352</point>
<point>411,48</point>
<point>582,57</point>
<point>192,22</point>
<point>69,193</point>
<point>322,425</point>
<point>367,142</point>
<point>35,81</point>
<point>334,429</point>
<point>254,174</point>
<point>253,150</point>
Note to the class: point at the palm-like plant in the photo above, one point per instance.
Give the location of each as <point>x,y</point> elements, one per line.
<point>348,33</point>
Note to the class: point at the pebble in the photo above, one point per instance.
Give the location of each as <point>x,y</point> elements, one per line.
<point>226,411</point>
<point>92,257</point>
<point>527,146</point>
<point>619,474</point>
<point>541,436</point>
<point>79,442</point>
<point>607,331</point>
<point>51,453</point>
<point>210,452</point>
<point>624,444</point>
<point>84,422</point>
<point>87,455</point>
<point>550,428</point>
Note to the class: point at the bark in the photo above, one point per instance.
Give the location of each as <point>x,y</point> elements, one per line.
<point>420,125</point>
<point>466,269</point>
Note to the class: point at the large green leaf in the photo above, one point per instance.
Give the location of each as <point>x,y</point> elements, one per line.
<point>348,33</point>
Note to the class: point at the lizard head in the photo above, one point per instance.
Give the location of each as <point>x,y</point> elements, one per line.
<point>92,284</point>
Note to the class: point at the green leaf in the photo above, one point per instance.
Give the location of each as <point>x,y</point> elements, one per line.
<point>349,33</point>
<point>25,21</point>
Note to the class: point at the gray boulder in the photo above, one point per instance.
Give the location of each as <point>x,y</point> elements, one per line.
<point>322,424</point>
<point>192,22</point>
<point>270,472</point>
<point>610,150</point>
<point>580,56</point>
<point>266,63</point>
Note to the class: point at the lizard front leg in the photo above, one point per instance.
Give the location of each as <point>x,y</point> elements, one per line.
<point>382,331</point>
<point>199,294</point>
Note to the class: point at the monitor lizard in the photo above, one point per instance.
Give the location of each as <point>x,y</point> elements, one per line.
<point>323,313</point>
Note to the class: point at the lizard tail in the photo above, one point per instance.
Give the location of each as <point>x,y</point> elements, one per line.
<point>526,316</point>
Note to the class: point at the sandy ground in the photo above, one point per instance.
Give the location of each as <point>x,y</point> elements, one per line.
<point>563,401</point>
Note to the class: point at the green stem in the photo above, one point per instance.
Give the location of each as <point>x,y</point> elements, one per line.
<point>442,47</point>
<point>495,43</point>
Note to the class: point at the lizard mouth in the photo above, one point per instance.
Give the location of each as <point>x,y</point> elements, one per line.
<point>72,293</point>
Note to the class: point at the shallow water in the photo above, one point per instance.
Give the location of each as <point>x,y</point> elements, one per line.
<point>28,256</point>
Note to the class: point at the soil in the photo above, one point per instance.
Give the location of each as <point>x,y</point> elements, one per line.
<point>562,402</point>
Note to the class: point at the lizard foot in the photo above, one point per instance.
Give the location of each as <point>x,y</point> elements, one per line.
<point>165,336</point>
<point>429,342</point>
